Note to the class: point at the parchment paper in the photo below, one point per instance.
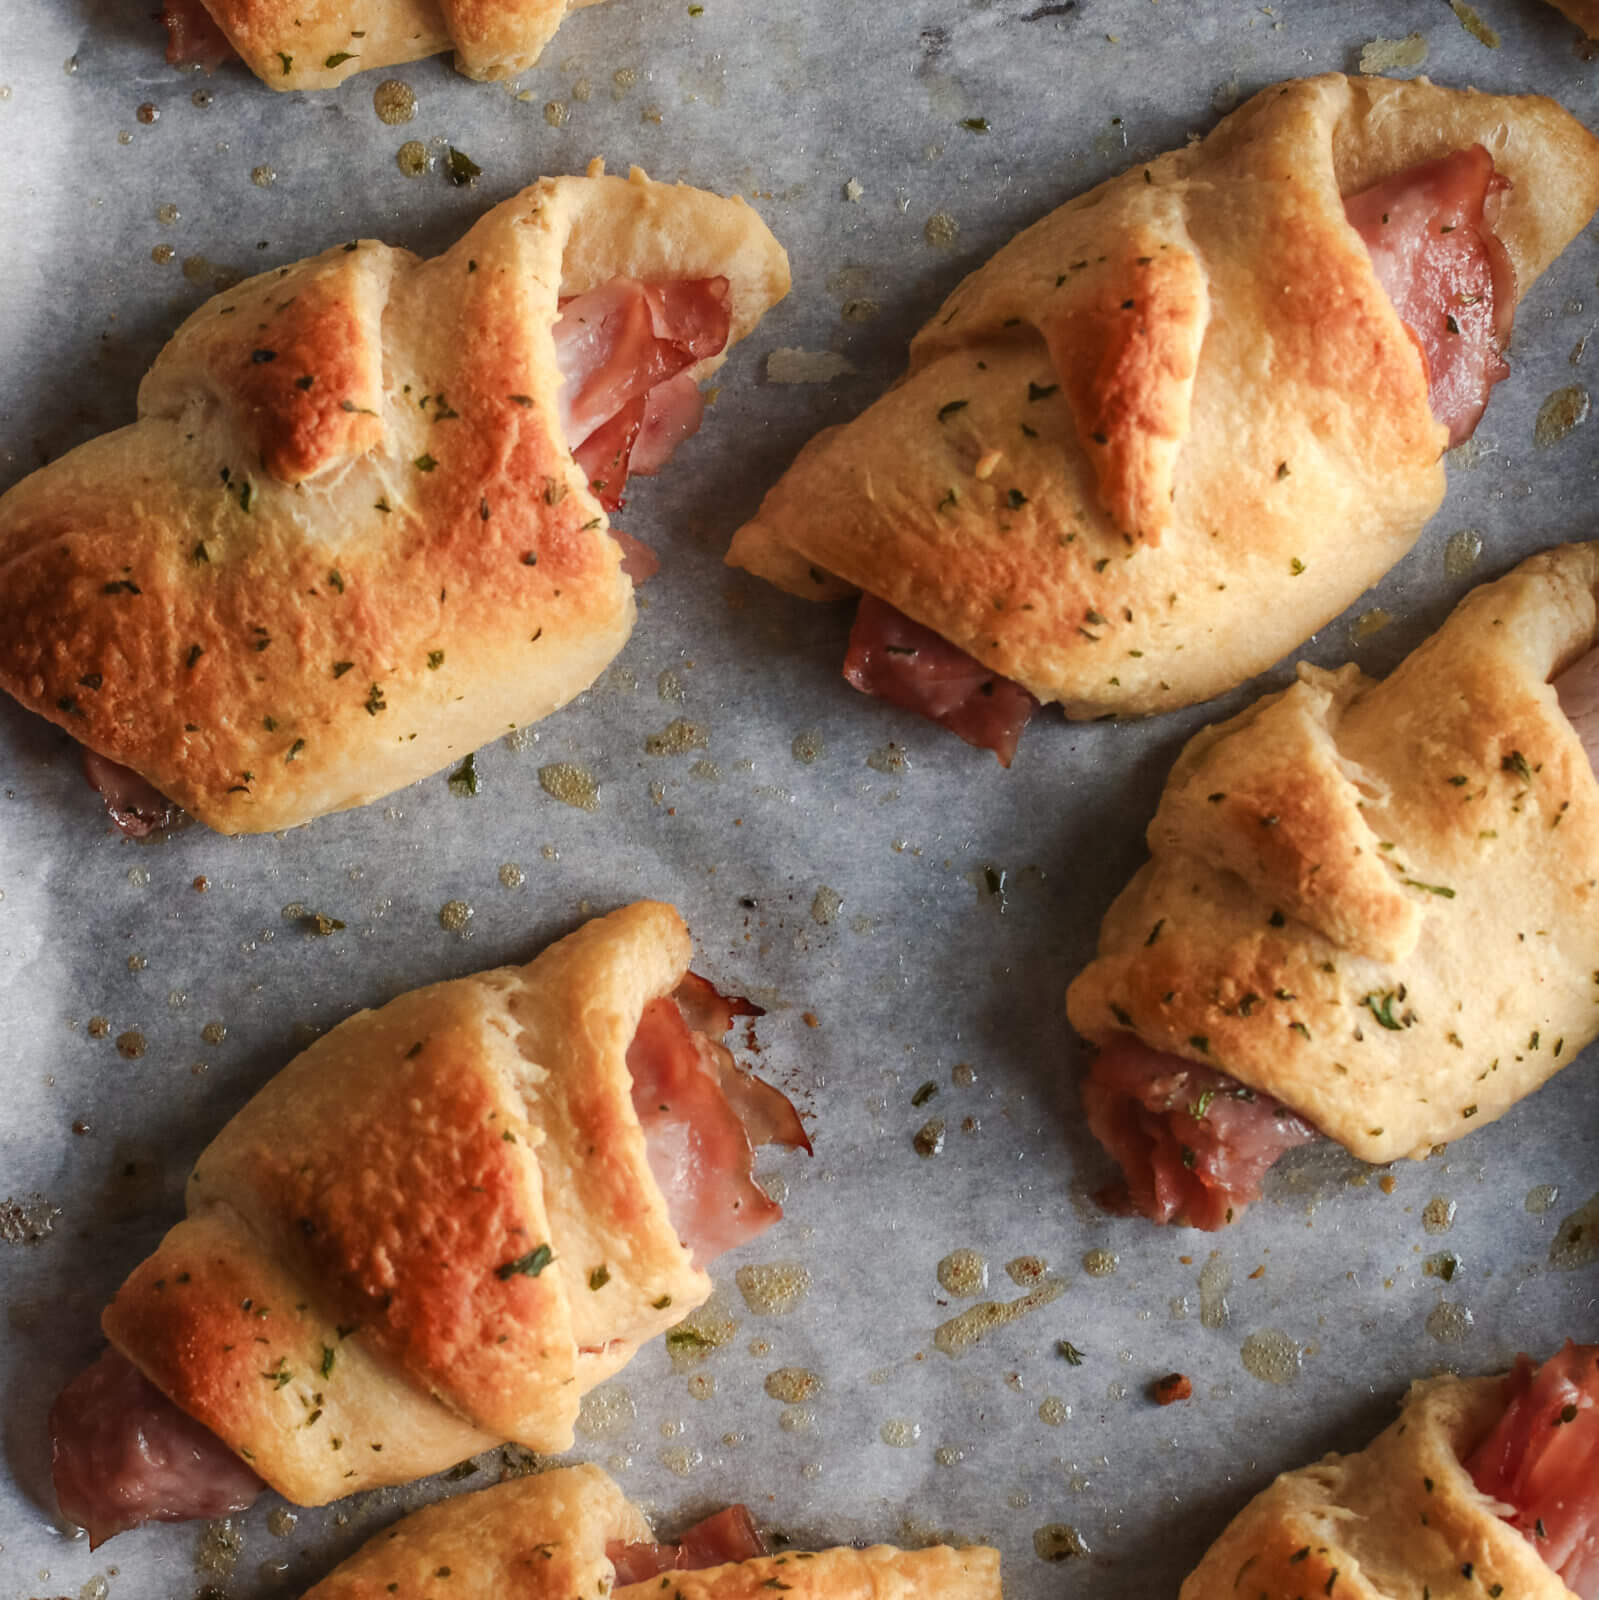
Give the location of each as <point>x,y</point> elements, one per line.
<point>833,856</point>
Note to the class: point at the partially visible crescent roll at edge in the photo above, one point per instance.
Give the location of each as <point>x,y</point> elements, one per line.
<point>296,44</point>
<point>1379,902</point>
<point>432,1232</point>
<point>346,541</point>
<point>1176,425</point>
<point>1399,1520</point>
<point>545,1538</point>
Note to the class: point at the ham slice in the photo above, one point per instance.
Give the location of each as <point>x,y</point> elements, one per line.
<point>193,39</point>
<point>137,807</point>
<point>1432,241</point>
<point>1193,1144</point>
<point>1541,1462</point>
<point>702,1119</point>
<point>729,1535</point>
<point>912,667</point>
<point>1578,690</point>
<point>624,349</point>
<point>123,1454</point>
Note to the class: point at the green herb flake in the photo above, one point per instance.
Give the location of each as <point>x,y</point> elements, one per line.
<point>200,554</point>
<point>1068,1352</point>
<point>338,58</point>
<point>335,581</point>
<point>683,1339</point>
<point>1015,499</point>
<point>374,701</point>
<point>1516,763</point>
<point>424,463</point>
<point>294,750</point>
<point>464,780</point>
<point>1154,933</point>
<point>925,1093</point>
<point>949,409</point>
<point>288,62</point>
<point>1198,1108</point>
<point>328,1354</point>
<point>1200,1042</point>
<point>599,1277</point>
<point>435,660</point>
<point>341,667</point>
<point>528,1266</point>
<point>195,652</point>
<point>1041,391</point>
<point>662,1303</point>
<point>1443,891</point>
<point>1381,1006</point>
<point>462,169</point>
<point>1296,566</point>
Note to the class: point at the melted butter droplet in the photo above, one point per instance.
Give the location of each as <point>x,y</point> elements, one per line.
<point>454,915</point>
<point>1461,553</point>
<point>1058,1541</point>
<point>263,177</point>
<point>394,101</point>
<point>963,1272</point>
<point>1449,1323</point>
<point>900,1433</point>
<point>1271,1356</point>
<point>412,158</point>
<point>1564,410</point>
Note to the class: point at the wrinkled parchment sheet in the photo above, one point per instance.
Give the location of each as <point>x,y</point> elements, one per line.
<point>835,858</point>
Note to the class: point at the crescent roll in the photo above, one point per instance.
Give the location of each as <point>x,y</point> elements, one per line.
<point>1422,1513</point>
<point>1372,904</point>
<point>1174,427</point>
<point>1585,13</point>
<point>433,1231</point>
<point>290,44</point>
<point>572,1532</point>
<point>347,540</point>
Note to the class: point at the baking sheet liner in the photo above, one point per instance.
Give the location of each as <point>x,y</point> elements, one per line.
<point>836,859</point>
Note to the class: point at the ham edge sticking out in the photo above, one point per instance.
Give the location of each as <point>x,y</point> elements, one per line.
<point>627,401</point>
<point>730,1535</point>
<point>1540,1462</point>
<point>1429,231</point>
<point>124,1454</point>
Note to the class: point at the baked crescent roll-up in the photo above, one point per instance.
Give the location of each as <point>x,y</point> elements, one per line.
<point>433,1231</point>
<point>1369,909</point>
<point>359,528</point>
<point>572,1532</point>
<point>1585,13</point>
<point>289,44</point>
<point>1174,427</point>
<point>1484,1488</point>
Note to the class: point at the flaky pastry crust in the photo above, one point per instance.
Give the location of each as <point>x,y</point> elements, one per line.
<point>316,44</point>
<point>1104,472</point>
<point>544,1538</point>
<point>1376,901</point>
<point>1585,13</point>
<point>432,1232</point>
<point>1398,1521</point>
<point>346,543</point>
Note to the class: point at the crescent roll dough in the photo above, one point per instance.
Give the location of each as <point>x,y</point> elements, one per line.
<point>545,1537</point>
<point>346,542</point>
<point>1377,901</point>
<point>315,44</point>
<point>1399,1521</point>
<point>1175,426</point>
<point>1585,13</point>
<point>435,1230</point>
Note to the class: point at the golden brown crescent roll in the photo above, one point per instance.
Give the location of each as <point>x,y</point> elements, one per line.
<point>433,1231</point>
<point>1178,424</point>
<point>1405,1519</point>
<point>1585,13</point>
<point>315,44</point>
<point>346,541</point>
<point>565,1534</point>
<point>1371,902</point>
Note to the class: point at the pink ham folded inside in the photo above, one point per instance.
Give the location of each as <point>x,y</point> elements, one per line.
<point>124,1454</point>
<point>135,806</point>
<point>912,667</point>
<point>1193,1144</point>
<point>1541,1462</point>
<point>193,39</point>
<point>730,1535</point>
<point>624,349</point>
<point>1578,691</point>
<point>702,1119</point>
<point>1432,242</point>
